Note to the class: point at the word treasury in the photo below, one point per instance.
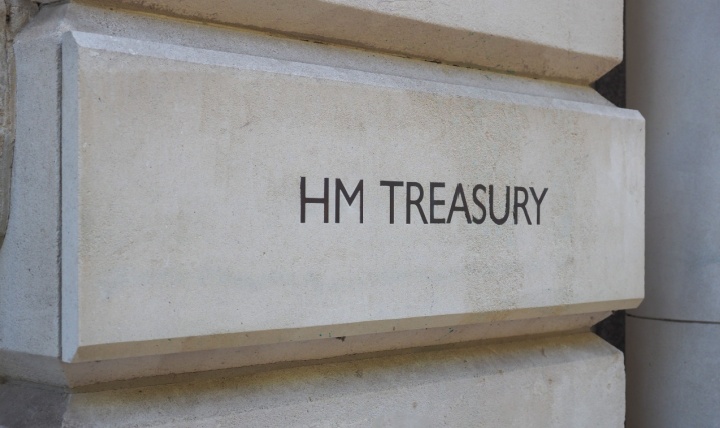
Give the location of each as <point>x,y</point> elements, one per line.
<point>432,204</point>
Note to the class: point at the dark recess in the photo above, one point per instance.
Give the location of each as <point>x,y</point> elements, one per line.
<point>612,87</point>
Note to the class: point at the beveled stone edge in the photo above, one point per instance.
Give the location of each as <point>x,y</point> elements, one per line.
<point>75,39</point>
<point>188,365</point>
<point>16,15</point>
<point>532,59</point>
<point>490,321</point>
<point>73,348</point>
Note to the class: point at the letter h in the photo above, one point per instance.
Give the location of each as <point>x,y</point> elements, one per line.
<point>325,200</point>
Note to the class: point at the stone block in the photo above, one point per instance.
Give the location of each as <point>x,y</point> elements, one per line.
<point>30,253</point>
<point>548,38</point>
<point>183,172</point>
<point>561,381</point>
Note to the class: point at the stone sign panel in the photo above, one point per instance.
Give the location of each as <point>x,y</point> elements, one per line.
<point>215,200</point>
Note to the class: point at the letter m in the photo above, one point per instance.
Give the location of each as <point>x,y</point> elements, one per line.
<point>339,188</point>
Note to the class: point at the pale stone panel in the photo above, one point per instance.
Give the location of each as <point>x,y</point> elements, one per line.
<point>29,255</point>
<point>568,381</point>
<point>551,38</point>
<point>156,369</point>
<point>181,201</point>
<point>124,23</point>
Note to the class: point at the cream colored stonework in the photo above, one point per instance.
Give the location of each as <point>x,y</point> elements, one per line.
<point>554,39</point>
<point>157,271</point>
<point>181,214</point>
<point>563,381</point>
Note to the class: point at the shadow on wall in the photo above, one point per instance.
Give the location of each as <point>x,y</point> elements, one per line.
<point>612,87</point>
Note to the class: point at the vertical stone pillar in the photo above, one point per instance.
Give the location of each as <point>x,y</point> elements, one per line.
<point>673,338</point>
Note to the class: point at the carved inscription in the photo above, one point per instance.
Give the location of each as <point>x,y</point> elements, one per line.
<point>434,203</point>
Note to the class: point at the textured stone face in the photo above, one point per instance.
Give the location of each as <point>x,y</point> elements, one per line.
<point>183,174</point>
<point>553,39</point>
<point>16,13</point>
<point>569,383</point>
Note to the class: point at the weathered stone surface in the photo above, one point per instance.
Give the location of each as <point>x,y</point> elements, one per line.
<point>29,260</point>
<point>29,256</point>
<point>183,145</point>
<point>14,13</point>
<point>28,405</point>
<point>182,204</point>
<point>548,38</point>
<point>188,365</point>
<point>562,381</point>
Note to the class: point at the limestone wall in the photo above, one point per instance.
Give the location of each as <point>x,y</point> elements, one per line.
<point>395,210</point>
